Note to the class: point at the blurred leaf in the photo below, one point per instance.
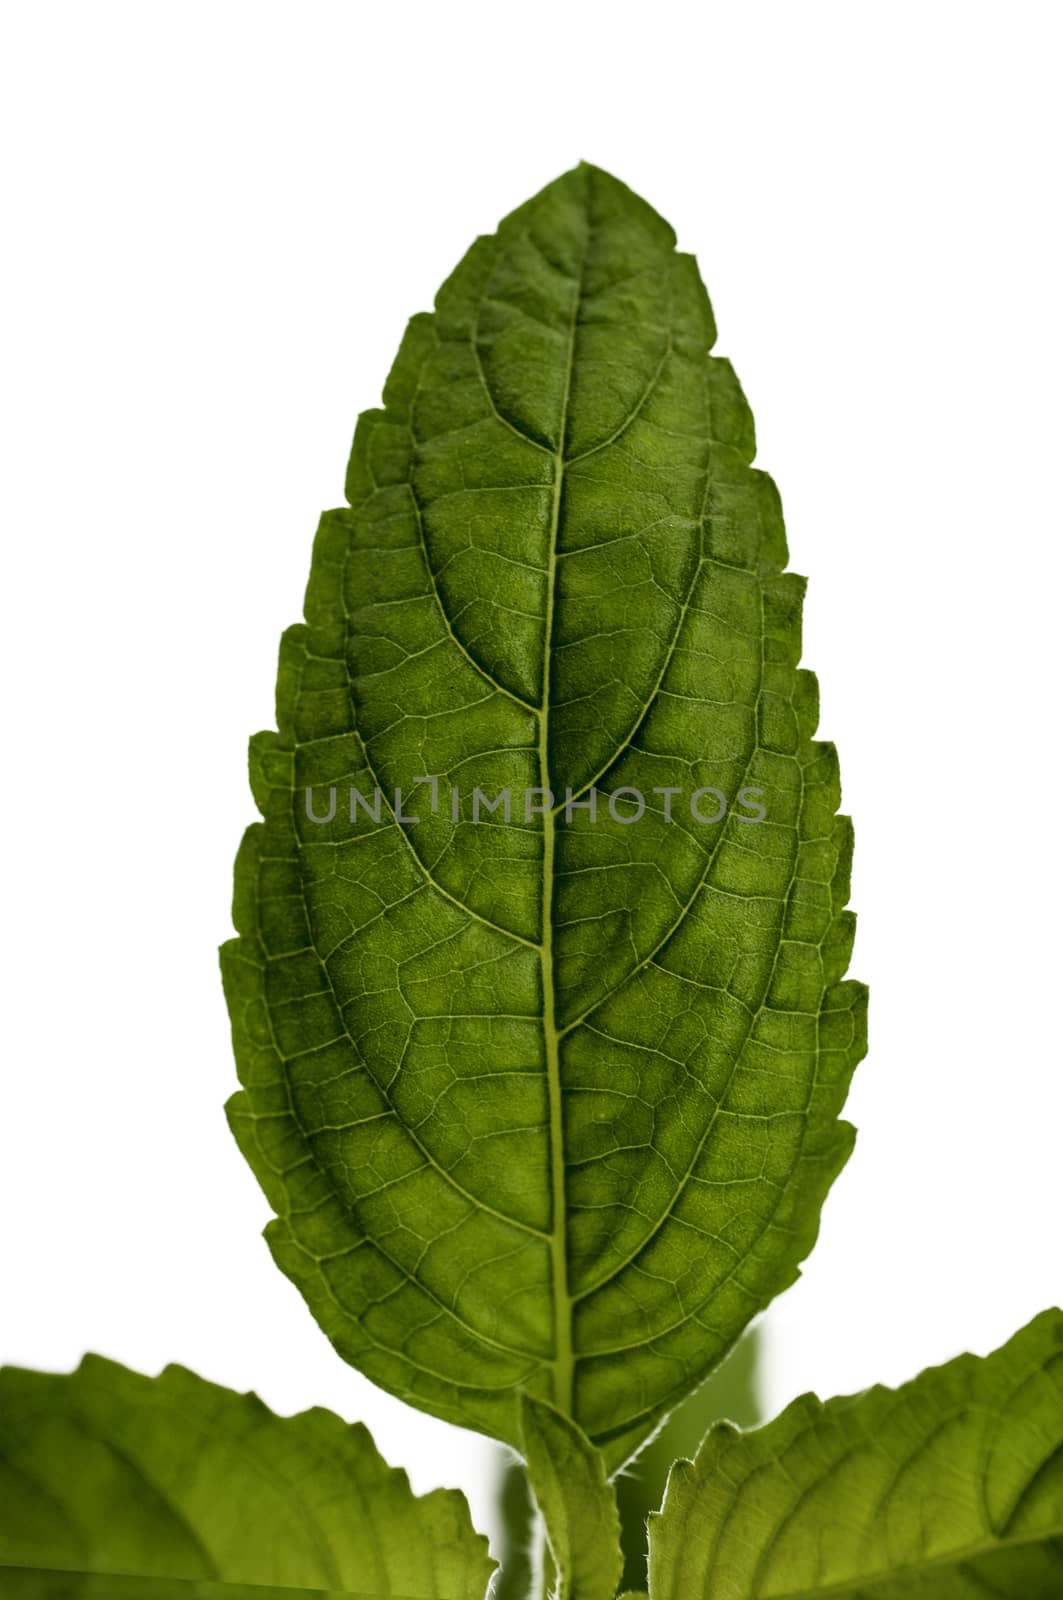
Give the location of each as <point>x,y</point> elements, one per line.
<point>521,1537</point>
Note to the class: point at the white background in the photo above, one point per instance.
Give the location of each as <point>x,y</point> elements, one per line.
<point>218,218</point>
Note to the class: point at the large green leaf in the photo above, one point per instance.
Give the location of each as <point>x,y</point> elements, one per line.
<point>950,1488</point>
<point>106,1474</point>
<point>550,1103</point>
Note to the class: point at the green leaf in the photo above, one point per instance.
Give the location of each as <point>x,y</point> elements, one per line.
<point>109,1473</point>
<point>547,1104</point>
<point>578,1505</point>
<point>49,1583</point>
<point>950,1488</point>
<point>731,1393</point>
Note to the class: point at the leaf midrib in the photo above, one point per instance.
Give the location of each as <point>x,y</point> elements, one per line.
<point>564,1356</point>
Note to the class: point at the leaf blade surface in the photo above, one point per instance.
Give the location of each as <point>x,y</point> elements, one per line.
<point>109,1476</point>
<point>548,1104</point>
<point>949,1488</point>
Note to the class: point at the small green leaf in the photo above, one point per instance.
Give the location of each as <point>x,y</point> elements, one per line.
<point>950,1488</point>
<point>107,1473</point>
<point>548,1102</point>
<point>577,1502</point>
